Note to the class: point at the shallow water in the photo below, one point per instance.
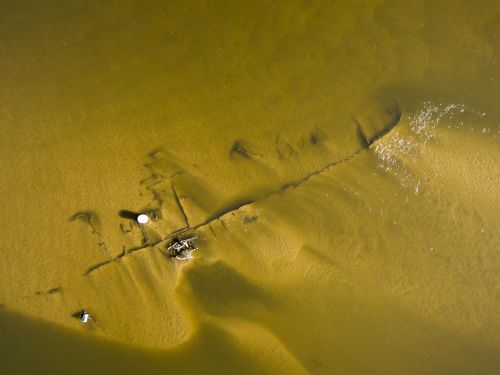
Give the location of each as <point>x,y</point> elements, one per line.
<point>338,160</point>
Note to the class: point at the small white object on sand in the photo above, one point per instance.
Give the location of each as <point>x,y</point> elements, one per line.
<point>142,219</point>
<point>84,318</point>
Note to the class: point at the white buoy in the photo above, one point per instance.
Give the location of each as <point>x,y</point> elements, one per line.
<point>142,219</point>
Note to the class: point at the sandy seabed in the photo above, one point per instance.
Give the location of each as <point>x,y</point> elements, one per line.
<point>339,162</point>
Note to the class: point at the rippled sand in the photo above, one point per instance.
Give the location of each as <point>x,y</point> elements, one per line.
<point>338,161</point>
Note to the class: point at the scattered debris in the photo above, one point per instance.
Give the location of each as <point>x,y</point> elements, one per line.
<point>313,138</point>
<point>125,230</point>
<point>240,149</point>
<point>212,230</point>
<point>50,291</point>
<point>92,220</point>
<point>86,217</point>
<point>291,150</point>
<point>84,316</point>
<point>249,219</point>
<point>182,248</point>
<point>154,214</point>
<point>179,204</point>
